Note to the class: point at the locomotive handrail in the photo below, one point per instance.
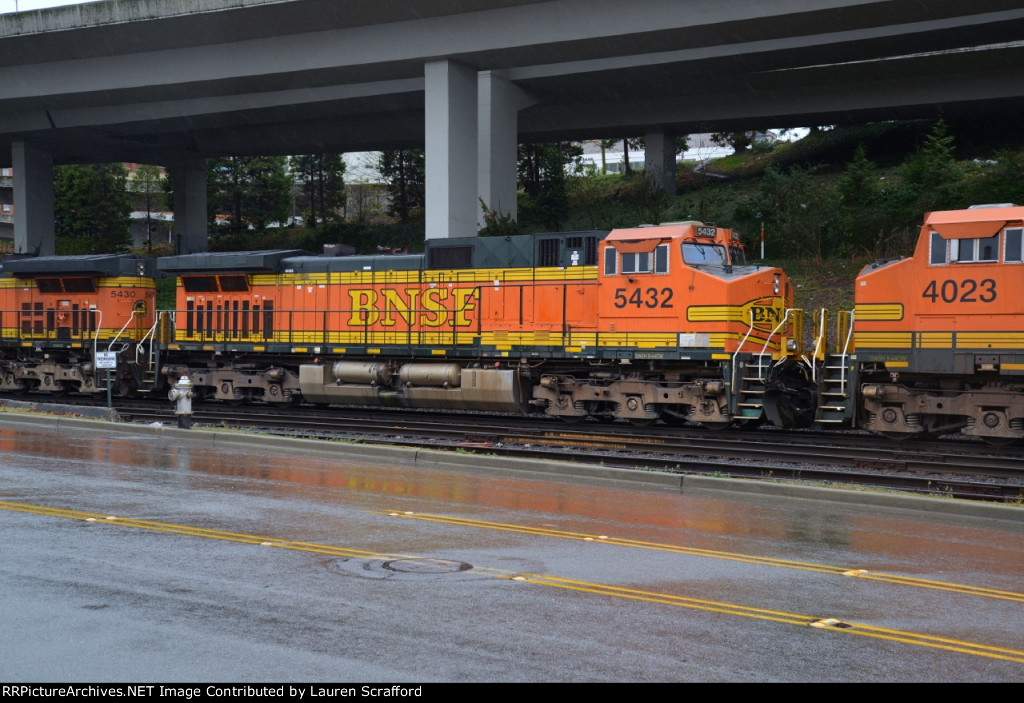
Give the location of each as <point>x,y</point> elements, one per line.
<point>151,332</point>
<point>768,341</point>
<point>818,342</point>
<point>750,330</point>
<point>118,335</point>
<point>846,351</point>
<point>762,353</point>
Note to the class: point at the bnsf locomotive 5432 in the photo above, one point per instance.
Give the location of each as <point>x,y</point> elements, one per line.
<point>646,323</point>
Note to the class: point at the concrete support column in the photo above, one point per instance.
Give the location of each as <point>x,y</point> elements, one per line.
<point>451,150</point>
<point>33,200</point>
<point>499,102</point>
<point>660,158</point>
<point>190,235</point>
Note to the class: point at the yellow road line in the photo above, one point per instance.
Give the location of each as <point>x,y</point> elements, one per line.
<point>713,554</point>
<point>912,638</point>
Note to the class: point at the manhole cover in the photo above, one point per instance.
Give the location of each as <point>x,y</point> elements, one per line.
<point>427,566</point>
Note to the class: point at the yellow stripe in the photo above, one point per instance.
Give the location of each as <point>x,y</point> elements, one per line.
<point>990,340</point>
<point>124,282</point>
<point>935,340</point>
<point>885,340</point>
<point>897,364</point>
<point>876,312</point>
<point>845,571</point>
<point>715,313</point>
<point>438,277</point>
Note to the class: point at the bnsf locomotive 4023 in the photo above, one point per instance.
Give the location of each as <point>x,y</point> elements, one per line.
<point>652,323</point>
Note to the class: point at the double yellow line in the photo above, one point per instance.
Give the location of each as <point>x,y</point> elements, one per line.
<point>713,554</point>
<point>607,590</point>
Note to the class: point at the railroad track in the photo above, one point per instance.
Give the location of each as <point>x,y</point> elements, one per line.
<point>955,468</point>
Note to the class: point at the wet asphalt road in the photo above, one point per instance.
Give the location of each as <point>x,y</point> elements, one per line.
<point>142,558</point>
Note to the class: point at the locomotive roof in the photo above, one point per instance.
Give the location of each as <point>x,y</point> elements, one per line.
<point>974,222</point>
<point>331,264</point>
<point>207,262</point>
<point>106,265</point>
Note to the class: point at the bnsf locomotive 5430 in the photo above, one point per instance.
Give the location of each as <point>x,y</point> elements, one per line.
<point>646,323</point>
<point>57,312</point>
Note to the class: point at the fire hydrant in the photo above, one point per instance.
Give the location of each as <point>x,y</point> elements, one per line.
<point>181,396</point>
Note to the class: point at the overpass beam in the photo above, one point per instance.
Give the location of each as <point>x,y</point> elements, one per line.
<point>451,149</point>
<point>190,235</point>
<point>499,103</point>
<point>660,158</point>
<point>33,200</point>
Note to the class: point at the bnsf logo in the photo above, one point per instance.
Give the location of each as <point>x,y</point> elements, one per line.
<point>428,307</point>
<point>764,315</point>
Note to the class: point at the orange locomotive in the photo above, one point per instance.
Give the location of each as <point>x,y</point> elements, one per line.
<point>940,336</point>
<point>936,343</point>
<point>57,312</point>
<point>644,323</point>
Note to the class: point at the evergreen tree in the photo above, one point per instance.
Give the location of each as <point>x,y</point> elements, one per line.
<point>862,220</point>
<point>322,177</point>
<point>149,187</point>
<point>542,172</point>
<point>92,209</point>
<point>929,180</point>
<point>253,191</point>
<point>404,172</point>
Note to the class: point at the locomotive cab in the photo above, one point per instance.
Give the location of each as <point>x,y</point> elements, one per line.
<point>938,336</point>
<point>693,331</point>
<point>691,279</point>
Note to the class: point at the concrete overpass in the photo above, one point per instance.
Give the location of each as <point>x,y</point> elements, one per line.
<point>175,81</point>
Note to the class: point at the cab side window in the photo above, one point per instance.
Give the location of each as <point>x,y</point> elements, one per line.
<point>938,253</point>
<point>1014,253</point>
<point>610,259</point>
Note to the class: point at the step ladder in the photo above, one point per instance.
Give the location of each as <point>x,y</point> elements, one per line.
<point>837,377</point>
<point>834,391</point>
<point>753,384</point>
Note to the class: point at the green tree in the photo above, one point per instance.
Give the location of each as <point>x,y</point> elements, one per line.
<point>92,209</point>
<point>1001,181</point>
<point>497,224</point>
<point>862,220</point>
<point>929,179</point>
<point>739,141</point>
<point>149,186</point>
<point>798,213</point>
<point>252,190</point>
<point>543,174</point>
<point>322,177</point>
<point>404,172</point>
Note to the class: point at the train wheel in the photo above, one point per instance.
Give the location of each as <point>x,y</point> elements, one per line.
<point>716,426</point>
<point>898,436</point>
<point>642,421</point>
<point>572,419</point>
<point>1000,441</point>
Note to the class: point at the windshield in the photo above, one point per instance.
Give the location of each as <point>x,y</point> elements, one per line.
<point>704,254</point>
